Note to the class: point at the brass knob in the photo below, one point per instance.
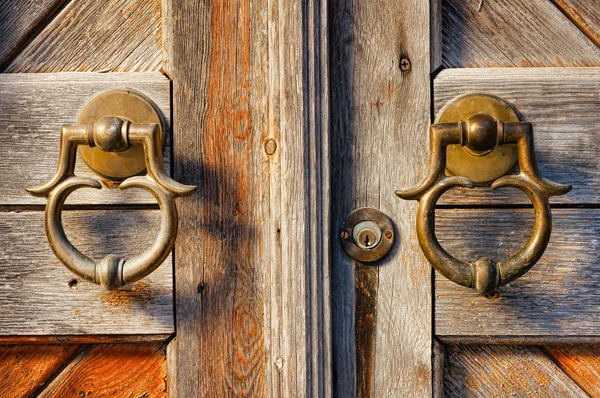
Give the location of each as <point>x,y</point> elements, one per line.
<point>480,134</point>
<point>112,134</point>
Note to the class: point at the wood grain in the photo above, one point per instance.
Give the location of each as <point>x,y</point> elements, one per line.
<point>380,117</point>
<point>26,368</point>
<point>583,13</point>
<point>41,297</point>
<point>509,33</point>
<point>581,363</point>
<point>124,370</point>
<point>558,297</point>
<point>505,371</point>
<point>33,108</point>
<point>250,96</point>
<point>91,36</point>
<point>561,103</point>
<point>20,21</point>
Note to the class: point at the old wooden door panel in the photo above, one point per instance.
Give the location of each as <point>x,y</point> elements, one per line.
<point>508,33</point>
<point>562,104</point>
<point>32,109</point>
<point>580,362</point>
<point>500,371</point>
<point>585,14</point>
<point>555,301</point>
<point>91,35</point>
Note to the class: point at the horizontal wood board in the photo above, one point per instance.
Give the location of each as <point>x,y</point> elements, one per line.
<point>562,104</point>
<point>32,109</point>
<point>560,296</point>
<point>39,296</point>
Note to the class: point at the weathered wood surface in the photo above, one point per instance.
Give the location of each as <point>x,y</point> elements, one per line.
<point>20,21</point>
<point>439,362</point>
<point>90,35</point>
<point>250,99</point>
<point>32,109</point>
<point>39,296</point>
<point>508,33</point>
<point>113,370</point>
<point>583,13</point>
<point>380,117</point>
<point>558,297</point>
<point>581,363</point>
<point>25,369</point>
<point>562,104</point>
<point>505,371</point>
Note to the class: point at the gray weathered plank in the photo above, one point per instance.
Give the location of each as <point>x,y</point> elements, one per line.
<point>40,296</point>
<point>562,104</point>
<point>90,35</point>
<point>19,21</point>
<point>585,14</point>
<point>250,99</point>
<point>505,371</point>
<point>558,297</point>
<point>32,109</point>
<point>503,33</point>
<point>380,117</point>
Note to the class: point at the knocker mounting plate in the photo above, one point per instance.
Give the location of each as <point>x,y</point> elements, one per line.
<point>128,105</point>
<point>484,166</point>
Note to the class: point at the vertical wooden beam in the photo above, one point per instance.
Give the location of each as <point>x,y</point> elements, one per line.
<point>250,103</point>
<point>380,119</point>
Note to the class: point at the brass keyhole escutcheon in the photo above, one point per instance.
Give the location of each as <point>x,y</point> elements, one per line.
<point>367,234</point>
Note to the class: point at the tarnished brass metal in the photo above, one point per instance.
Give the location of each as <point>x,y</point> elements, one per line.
<point>367,234</point>
<point>484,275</point>
<point>112,134</point>
<point>468,158</point>
<point>129,105</point>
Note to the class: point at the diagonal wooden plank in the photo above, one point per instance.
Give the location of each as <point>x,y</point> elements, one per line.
<point>512,33</point>
<point>25,368</point>
<point>19,23</point>
<point>124,370</point>
<point>90,35</point>
<point>581,363</point>
<point>505,371</point>
<point>583,13</point>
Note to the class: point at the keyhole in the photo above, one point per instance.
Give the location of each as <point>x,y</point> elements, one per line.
<point>367,235</point>
<point>367,240</point>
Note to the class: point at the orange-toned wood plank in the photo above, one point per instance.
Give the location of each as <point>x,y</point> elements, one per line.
<point>25,368</point>
<point>504,371</point>
<point>91,35</point>
<point>20,21</point>
<point>113,370</point>
<point>581,363</point>
<point>585,14</point>
<point>508,33</point>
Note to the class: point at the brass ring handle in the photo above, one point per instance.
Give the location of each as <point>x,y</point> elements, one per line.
<point>482,132</point>
<point>111,134</point>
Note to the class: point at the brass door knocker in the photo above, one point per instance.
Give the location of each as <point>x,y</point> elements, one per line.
<point>118,132</point>
<point>484,130</point>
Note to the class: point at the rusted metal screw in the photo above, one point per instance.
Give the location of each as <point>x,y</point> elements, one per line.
<point>388,234</point>
<point>270,146</point>
<point>405,65</point>
<point>344,235</point>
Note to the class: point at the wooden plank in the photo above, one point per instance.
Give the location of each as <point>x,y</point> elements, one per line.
<point>26,368</point>
<point>504,371</point>
<point>250,96</point>
<point>558,297</point>
<point>561,103</point>
<point>126,370</point>
<point>439,363</point>
<point>508,33</point>
<point>91,36</point>
<point>583,13</point>
<point>380,117</point>
<point>20,21</point>
<point>33,108</point>
<point>40,296</point>
<point>84,339</point>
<point>581,363</point>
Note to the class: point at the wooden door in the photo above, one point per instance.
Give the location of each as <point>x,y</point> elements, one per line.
<point>399,329</point>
